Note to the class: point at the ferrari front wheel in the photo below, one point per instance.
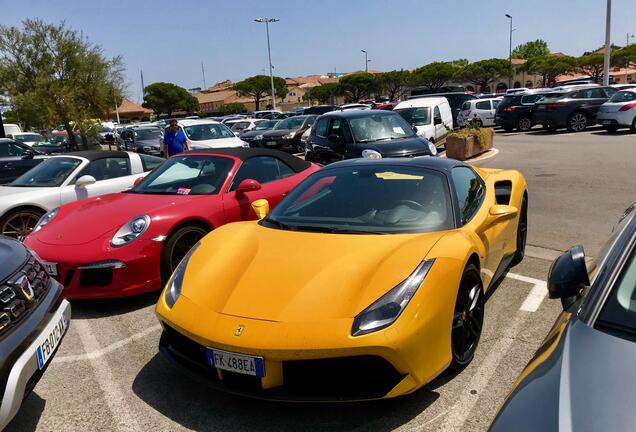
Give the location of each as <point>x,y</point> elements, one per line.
<point>522,232</point>
<point>177,245</point>
<point>468,318</point>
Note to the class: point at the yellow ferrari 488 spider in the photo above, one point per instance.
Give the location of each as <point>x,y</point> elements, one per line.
<point>365,282</point>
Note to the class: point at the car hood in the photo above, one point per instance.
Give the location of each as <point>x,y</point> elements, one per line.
<point>253,133</point>
<point>584,384</point>
<point>278,133</point>
<point>217,143</point>
<point>290,276</point>
<point>12,255</point>
<point>397,148</point>
<point>105,213</point>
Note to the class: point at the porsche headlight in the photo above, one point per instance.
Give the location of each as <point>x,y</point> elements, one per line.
<point>384,311</point>
<point>173,290</point>
<point>131,230</point>
<point>433,148</point>
<point>46,218</point>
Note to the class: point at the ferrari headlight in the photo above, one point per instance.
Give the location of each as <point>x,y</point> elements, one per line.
<point>384,311</point>
<point>46,218</point>
<point>433,148</point>
<point>173,290</point>
<point>131,230</point>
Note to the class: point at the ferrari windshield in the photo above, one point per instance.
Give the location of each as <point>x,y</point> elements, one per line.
<point>372,199</point>
<point>50,173</point>
<point>379,127</point>
<point>187,175</point>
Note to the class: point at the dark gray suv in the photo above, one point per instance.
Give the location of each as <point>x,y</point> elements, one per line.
<point>33,320</point>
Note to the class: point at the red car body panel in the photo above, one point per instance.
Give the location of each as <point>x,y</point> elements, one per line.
<point>81,232</point>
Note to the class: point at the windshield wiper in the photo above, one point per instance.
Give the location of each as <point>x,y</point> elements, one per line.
<point>277,223</point>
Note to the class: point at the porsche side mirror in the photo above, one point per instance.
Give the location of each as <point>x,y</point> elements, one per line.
<point>568,275</point>
<point>84,181</point>
<point>261,208</point>
<point>248,185</point>
<point>500,212</point>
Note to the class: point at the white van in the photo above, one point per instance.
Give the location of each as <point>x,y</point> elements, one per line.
<point>10,129</point>
<point>432,116</point>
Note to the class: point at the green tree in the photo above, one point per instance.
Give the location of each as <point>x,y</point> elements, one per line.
<point>433,75</point>
<point>323,93</point>
<point>459,62</point>
<point>550,66</point>
<point>259,86</point>
<point>358,86</point>
<point>392,83</point>
<point>166,98</point>
<point>484,72</point>
<point>233,108</point>
<point>528,50</point>
<point>54,75</point>
<point>625,55</point>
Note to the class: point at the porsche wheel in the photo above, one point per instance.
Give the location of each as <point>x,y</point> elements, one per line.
<point>177,245</point>
<point>19,224</point>
<point>468,319</point>
<point>522,232</point>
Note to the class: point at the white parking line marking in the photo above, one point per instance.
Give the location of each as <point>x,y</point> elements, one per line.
<point>459,412</point>
<point>115,400</point>
<point>536,295</point>
<point>107,349</point>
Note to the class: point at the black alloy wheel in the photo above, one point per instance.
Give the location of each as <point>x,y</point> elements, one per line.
<point>178,245</point>
<point>20,223</point>
<point>468,318</point>
<point>522,232</point>
<point>577,122</point>
<point>524,124</point>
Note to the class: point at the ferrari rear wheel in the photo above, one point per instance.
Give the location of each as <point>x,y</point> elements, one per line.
<point>522,232</point>
<point>468,318</point>
<point>177,245</point>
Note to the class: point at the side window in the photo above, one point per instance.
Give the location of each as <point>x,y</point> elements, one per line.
<point>529,99</point>
<point>483,105</point>
<point>14,149</point>
<point>466,106</point>
<point>321,127</point>
<point>495,104</point>
<point>597,93</point>
<point>436,113</point>
<point>469,191</point>
<point>310,121</point>
<point>336,127</point>
<point>610,91</point>
<point>150,162</point>
<point>107,168</point>
<point>263,169</point>
<point>578,95</point>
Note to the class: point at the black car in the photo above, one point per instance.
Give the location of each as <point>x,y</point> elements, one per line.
<point>16,159</point>
<point>574,109</point>
<point>286,134</point>
<point>54,144</point>
<point>515,110</point>
<point>347,134</point>
<point>455,100</point>
<point>320,109</point>
<point>146,140</point>
<point>582,376</point>
<point>261,127</point>
<point>33,320</point>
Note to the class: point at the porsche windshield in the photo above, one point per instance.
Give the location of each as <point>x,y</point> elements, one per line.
<point>378,199</point>
<point>187,175</point>
<point>50,173</point>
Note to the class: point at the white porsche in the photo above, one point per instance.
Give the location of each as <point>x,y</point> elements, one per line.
<point>65,178</point>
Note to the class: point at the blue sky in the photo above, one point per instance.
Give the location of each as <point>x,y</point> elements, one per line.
<point>170,39</point>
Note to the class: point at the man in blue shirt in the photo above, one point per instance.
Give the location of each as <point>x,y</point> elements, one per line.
<point>175,140</point>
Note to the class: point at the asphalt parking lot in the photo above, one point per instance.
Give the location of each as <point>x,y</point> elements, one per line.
<point>108,374</point>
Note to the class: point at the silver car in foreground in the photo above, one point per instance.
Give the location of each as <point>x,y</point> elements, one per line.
<point>619,111</point>
<point>582,377</point>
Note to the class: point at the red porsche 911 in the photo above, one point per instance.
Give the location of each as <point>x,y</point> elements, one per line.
<point>130,242</point>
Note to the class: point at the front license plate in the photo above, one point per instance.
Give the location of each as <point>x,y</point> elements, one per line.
<point>239,363</point>
<point>46,347</point>
<point>271,143</point>
<point>51,268</point>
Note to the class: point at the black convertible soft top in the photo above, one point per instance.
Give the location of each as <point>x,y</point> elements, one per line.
<point>243,154</point>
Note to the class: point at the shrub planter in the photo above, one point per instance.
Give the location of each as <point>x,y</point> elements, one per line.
<point>467,143</point>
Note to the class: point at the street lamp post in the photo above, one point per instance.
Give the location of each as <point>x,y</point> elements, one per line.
<point>608,48</point>
<point>269,55</point>
<point>510,52</point>
<point>366,61</point>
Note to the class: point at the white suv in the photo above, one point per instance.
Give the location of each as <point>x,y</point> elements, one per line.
<point>481,111</point>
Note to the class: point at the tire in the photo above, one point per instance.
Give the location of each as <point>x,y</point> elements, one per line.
<point>577,122</point>
<point>468,319</point>
<point>177,245</point>
<point>633,128</point>
<point>524,124</point>
<point>19,223</point>
<point>522,233</point>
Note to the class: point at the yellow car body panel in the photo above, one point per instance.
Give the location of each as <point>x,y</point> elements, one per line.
<point>295,294</point>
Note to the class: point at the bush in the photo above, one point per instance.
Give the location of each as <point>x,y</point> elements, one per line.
<point>481,135</point>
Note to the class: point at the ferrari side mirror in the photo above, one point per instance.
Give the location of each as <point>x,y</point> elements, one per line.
<point>261,208</point>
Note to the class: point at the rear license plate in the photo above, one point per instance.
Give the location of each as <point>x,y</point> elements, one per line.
<point>271,143</point>
<point>239,363</point>
<point>51,339</point>
<point>51,268</point>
